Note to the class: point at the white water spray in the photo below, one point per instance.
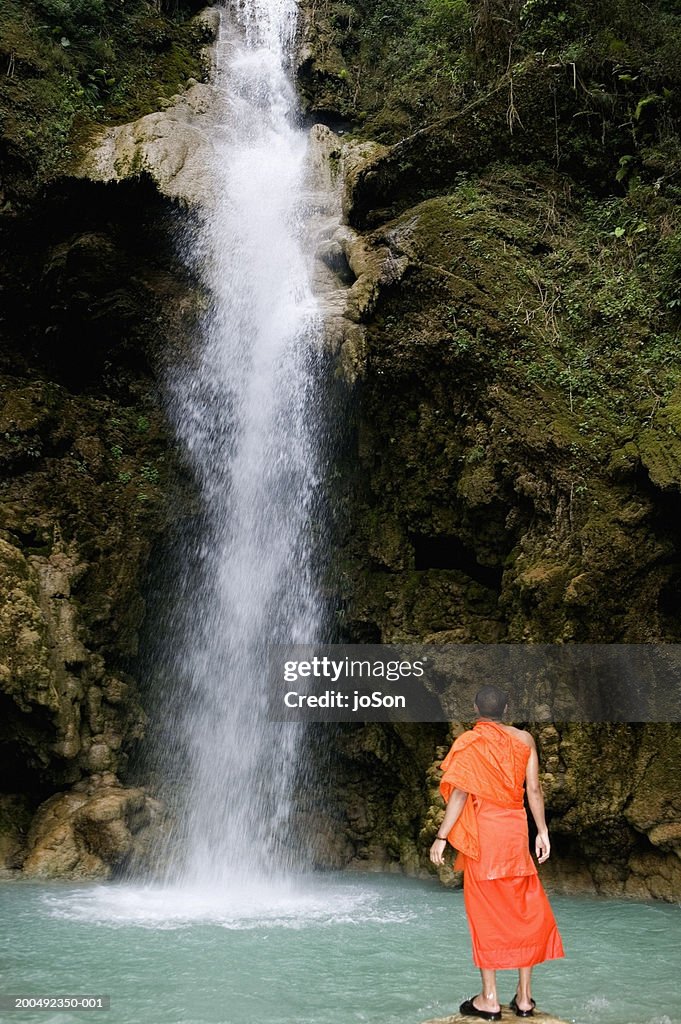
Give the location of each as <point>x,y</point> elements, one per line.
<point>247,415</point>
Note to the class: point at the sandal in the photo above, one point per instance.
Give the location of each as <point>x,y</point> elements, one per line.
<point>521,1013</point>
<point>469,1009</point>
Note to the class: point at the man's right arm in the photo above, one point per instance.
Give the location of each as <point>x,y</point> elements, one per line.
<point>455,805</point>
<point>535,799</point>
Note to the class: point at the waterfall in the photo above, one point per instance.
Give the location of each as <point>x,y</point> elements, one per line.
<point>248,412</point>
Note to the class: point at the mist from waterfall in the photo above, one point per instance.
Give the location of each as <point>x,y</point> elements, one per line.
<point>247,410</point>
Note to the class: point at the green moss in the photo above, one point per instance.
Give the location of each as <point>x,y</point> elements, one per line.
<point>520,404</point>
<point>70,65</point>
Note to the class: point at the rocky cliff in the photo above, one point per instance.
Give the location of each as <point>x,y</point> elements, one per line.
<point>512,257</point>
<point>89,487</point>
<point>515,469</point>
<point>95,303</point>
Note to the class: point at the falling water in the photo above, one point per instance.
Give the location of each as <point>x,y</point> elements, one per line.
<point>247,411</point>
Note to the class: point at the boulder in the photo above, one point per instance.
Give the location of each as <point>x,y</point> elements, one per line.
<point>87,832</point>
<point>172,146</point>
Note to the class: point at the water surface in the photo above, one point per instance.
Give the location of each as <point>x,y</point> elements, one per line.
<point>331,949</point>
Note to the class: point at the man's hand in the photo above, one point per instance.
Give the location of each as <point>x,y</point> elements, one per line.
<point>542,847</point>
<point>437,851</point>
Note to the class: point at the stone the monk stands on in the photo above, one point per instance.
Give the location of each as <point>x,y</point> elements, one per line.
<point>507,1017</point>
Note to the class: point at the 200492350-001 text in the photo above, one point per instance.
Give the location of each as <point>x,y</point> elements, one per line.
<point>54,1002</point>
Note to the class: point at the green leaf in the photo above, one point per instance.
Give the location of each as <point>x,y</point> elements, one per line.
<point>624,168</point>
<point>645,102</point>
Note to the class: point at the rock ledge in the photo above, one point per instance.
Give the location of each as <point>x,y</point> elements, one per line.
<point>507,1016</point>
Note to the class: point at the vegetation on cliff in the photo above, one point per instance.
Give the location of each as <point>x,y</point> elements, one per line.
<point>70,64</point>
<point>519,412</point>
<point>518,440</point>
<point>393,66</point>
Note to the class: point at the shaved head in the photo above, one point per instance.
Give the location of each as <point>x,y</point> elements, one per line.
<point>491,702</point>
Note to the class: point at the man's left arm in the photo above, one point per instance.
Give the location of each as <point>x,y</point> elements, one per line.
<point>535,799</point>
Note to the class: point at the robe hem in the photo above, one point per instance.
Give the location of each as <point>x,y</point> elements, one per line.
<point>522,956</point>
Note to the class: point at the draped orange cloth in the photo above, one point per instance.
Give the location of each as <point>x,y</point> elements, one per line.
<point>509,916</point>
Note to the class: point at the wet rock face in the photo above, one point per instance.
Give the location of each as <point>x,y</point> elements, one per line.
<point>63,712</point>
<point>496,492</point>
<point>484,512</point>
<point>487,509</point>
<point>95,301</point>
<point>91,279</point>
<point>373,814</point>
<point>614,798</point>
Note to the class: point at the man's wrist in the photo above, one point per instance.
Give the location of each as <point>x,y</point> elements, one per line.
<point>443,839</point>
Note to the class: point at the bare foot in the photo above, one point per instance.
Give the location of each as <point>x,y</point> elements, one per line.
<point>481,1002</point>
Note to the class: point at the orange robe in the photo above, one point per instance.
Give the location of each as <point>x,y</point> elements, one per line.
<point>509,916</point>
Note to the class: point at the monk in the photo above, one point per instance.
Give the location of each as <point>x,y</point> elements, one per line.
<point>510,920</point>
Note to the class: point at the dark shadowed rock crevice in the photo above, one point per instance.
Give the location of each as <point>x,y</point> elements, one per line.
<point>96,302</point>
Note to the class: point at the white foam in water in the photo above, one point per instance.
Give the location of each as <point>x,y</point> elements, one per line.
<point>597,1003</point>
<point>285,906</point>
